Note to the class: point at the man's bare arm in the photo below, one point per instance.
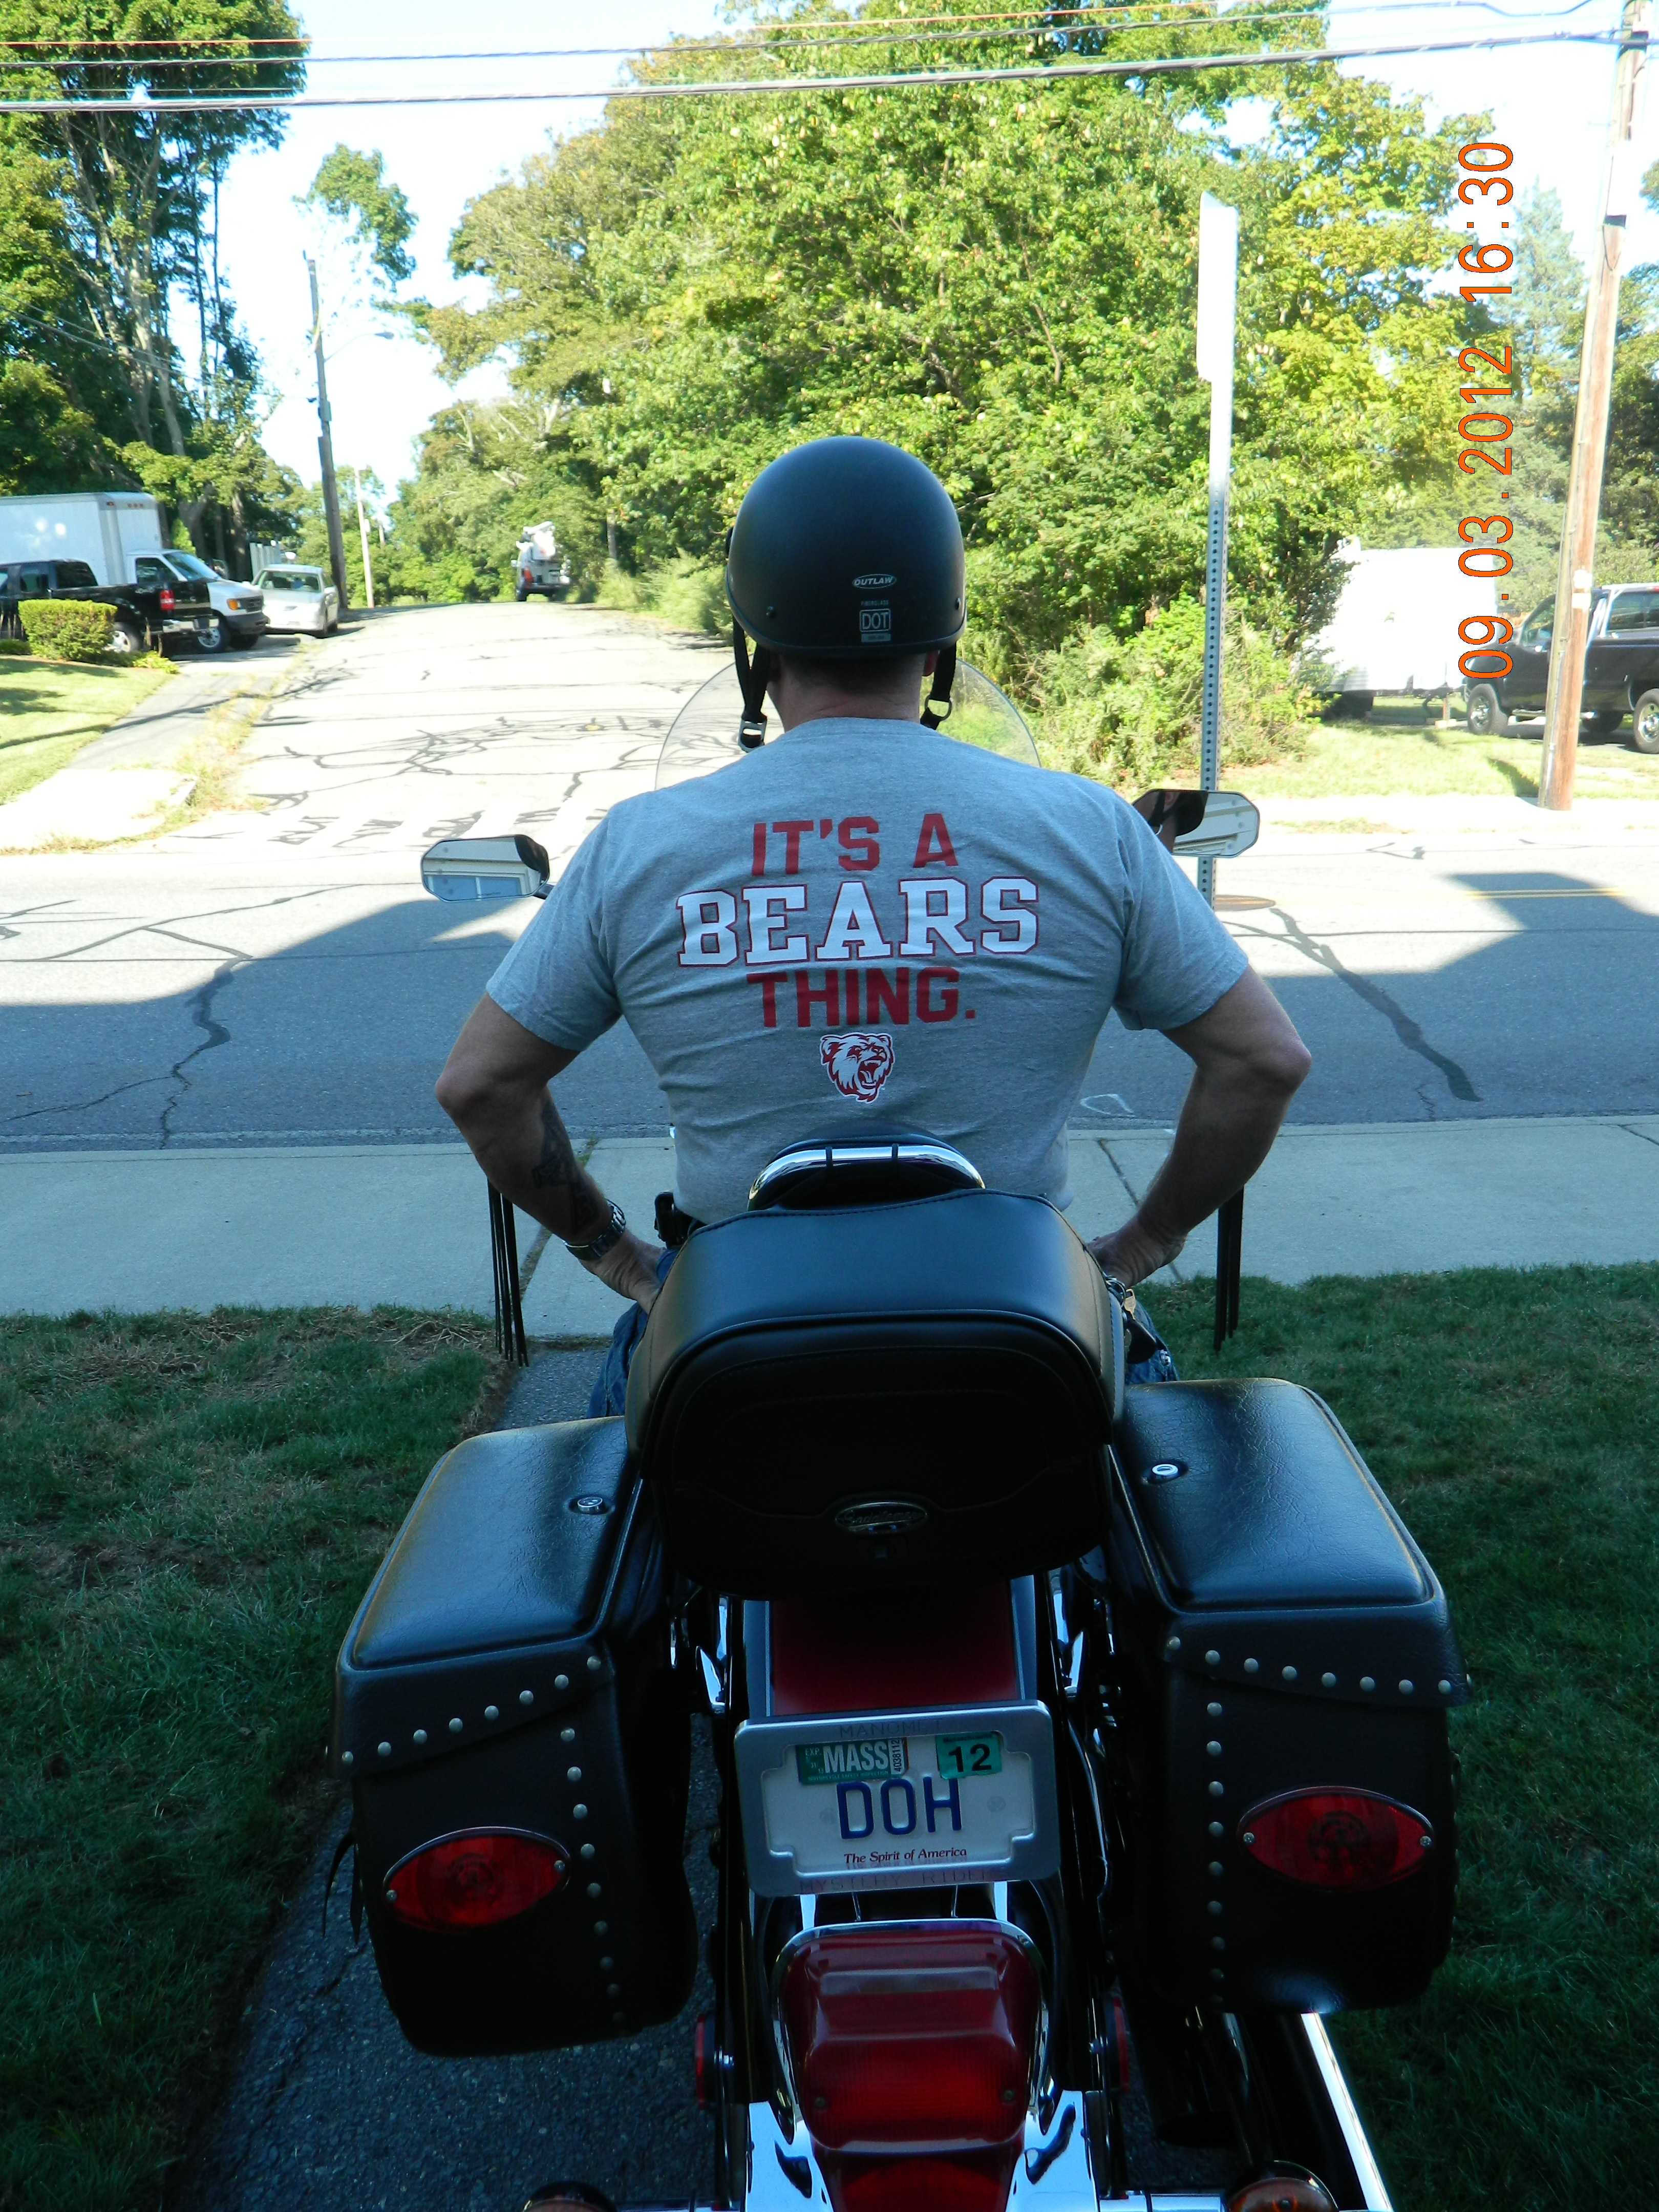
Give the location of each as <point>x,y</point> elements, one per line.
<point>1249,1065</point>
<point>494,1088</point>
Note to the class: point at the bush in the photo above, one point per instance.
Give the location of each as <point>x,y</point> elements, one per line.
<point>1126,710</point>
<point>685,591</point>
<point>68,629</point>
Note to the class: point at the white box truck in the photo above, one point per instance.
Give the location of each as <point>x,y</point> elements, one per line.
<point>1395,625</point>
<point>118,535</point>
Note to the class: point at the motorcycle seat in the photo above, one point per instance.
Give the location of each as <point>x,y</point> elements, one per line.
<point>878,1392</point>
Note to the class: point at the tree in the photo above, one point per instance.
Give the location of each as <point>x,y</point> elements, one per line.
<point>135,200</point>
<point>354,188</point>
<point>1002,278</point>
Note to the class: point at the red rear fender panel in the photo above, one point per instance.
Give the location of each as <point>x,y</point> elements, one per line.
<point>914,1650</point>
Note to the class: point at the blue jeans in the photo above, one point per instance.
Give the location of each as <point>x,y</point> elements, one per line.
<point>610,1388</point>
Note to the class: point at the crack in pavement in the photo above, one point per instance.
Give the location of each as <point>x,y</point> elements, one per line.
<point>1410,1033</point>
<point>201,1012</point>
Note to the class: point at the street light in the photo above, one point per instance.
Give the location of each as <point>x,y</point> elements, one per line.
<point>326,439</point>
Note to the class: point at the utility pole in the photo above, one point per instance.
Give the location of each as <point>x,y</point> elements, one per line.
<point>1217,318</point>
<point>326,450</point>
<point>362,532</point>
<point>1575,573</point>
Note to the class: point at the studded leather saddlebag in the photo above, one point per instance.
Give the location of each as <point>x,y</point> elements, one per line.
<point>518,1751</point>
<point>1287,1663</point>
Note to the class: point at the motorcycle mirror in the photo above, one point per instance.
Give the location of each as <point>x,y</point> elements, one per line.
<point>1201,825</point>
<point>486,868</point>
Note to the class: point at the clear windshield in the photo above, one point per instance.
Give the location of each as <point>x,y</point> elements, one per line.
<point>191,564</point>
<point>704,733</point>
<point>290,579</point>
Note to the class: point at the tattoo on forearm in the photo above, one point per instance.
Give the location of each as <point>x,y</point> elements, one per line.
<point>559,1171</point>
<point>558,1168</point>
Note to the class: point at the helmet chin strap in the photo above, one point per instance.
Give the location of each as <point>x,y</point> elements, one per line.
<point>937,708</point>
<point>751,677</point>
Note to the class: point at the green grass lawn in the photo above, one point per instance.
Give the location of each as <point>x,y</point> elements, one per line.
<point>1393,752</point>
<point>1511,1418</point>
<point>190,1509</point>
<point>49,709</point>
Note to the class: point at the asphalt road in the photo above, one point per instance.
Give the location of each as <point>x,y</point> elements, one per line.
<point>279,976</point>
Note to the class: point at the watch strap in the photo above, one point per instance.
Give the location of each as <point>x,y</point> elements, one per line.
<point>597,1246</point>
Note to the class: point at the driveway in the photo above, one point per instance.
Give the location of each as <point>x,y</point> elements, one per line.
<point>277,976</point>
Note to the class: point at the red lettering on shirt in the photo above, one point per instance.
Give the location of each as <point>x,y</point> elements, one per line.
<point>934,843</point>
<point>946,1011</point>
<point>886,1001</point>
<point>792,833</point>
<point>759,868</point>
<point>857,835</point>
<point>768,999</point>
<point>809,994</point>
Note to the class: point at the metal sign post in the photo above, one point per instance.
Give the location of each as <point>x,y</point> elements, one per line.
<point>1218,319</point>
<point>1218,323</point>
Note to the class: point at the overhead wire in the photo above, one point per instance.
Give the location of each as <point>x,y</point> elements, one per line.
<point>872,31</point>
<point>717,88</point>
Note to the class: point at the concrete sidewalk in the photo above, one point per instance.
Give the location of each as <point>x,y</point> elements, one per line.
<point>407,1224</point>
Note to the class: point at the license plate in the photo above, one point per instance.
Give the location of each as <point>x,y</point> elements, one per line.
<point>899,1807</point>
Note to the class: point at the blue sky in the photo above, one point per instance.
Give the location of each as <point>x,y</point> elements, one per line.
<point>1549,104</point>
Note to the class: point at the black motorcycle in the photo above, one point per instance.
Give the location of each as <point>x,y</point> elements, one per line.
<point>1081,1744</point>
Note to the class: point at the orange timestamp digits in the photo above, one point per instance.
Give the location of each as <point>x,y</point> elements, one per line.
<point>1485,430</point>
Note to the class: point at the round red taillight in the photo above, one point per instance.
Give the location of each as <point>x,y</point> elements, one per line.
<point>1337,1838</point>
<point>475,1879</point>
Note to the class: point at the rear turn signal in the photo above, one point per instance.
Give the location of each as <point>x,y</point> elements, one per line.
<point>475,1880</point>
<point>1344,1839</point>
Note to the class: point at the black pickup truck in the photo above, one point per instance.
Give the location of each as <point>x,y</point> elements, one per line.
<point>159,604</point>
<point>1622,669</point>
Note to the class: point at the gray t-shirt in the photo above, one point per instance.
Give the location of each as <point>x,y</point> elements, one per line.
<point>867,926</point>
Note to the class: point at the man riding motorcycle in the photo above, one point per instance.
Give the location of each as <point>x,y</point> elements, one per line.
<point>864,926</point>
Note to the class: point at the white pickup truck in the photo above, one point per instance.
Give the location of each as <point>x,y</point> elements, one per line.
<point>118,535</point>
<point>540,565</point>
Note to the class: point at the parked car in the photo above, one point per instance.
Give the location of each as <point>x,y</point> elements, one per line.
<point>1622,669</point>
<point>157,607</point>
<point>540,564</point>
<point>300,598</point>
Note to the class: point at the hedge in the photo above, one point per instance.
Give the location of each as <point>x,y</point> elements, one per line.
<point>68,629</point>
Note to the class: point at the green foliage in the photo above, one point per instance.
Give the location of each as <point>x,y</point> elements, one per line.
<point>191,1506</point>
<point>104,220</point>
<point>67,629</point>
<point>685,591</point>
<point>1126,710</point>
<point>355,188</point>
<point>1001,278</point>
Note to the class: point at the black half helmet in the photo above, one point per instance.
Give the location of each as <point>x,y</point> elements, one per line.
<point>843,549</point>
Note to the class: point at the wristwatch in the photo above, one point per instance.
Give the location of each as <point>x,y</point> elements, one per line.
<point>597,1246</point>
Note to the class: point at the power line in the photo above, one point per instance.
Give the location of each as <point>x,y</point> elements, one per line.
<point>1132,15</point>
<point>897,79</point>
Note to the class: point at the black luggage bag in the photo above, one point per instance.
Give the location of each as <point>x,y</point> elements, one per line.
<point>519,1752</point>
<point>1287,1658</point>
